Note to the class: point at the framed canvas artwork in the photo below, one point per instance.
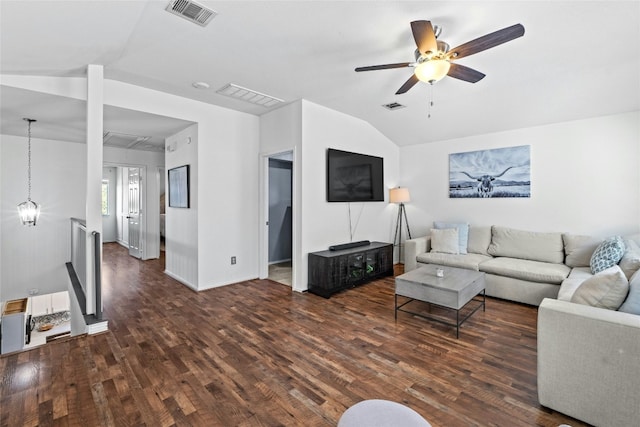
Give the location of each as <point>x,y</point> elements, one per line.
<point>179,187</point>
<point>501,172</point>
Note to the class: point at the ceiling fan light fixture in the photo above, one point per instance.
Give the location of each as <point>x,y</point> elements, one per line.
<point>432,70</point>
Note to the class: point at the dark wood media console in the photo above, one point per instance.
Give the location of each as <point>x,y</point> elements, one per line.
<point>334,271</point>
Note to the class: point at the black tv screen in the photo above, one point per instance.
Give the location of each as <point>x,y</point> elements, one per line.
<point>353,177</point>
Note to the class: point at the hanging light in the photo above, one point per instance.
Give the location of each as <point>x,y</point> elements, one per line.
<point>432,70</point>
<point>29,211</point>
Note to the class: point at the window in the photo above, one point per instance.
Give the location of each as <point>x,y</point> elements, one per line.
<point>105,197</point>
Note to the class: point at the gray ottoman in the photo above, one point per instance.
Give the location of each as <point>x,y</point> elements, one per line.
<point>381,413</point>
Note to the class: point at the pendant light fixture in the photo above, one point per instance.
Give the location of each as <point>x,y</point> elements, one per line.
<point>29,211</point>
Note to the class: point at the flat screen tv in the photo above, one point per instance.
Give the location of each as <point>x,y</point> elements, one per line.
<point>353,177</point>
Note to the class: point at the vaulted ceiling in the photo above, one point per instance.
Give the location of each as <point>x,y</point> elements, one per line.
<point>576,60</point>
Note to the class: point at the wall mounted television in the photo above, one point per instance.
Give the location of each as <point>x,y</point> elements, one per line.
<point>353,177</point>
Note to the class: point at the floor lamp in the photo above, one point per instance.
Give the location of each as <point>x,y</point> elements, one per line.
<point>401,196</point>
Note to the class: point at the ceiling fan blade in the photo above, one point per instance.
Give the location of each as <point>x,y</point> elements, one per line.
<point>467,74</point>
<point>408,84</point>
<point>424,36</point>
<point>384,66</point>
<point>487,41</point>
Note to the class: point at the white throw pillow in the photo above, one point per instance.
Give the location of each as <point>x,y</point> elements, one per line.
<point>463,233</point>
<point>607,289</point>
<point>445,240</point>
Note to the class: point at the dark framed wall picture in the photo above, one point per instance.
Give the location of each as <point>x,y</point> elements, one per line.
<point>500,172</point>
<point>179,187</point>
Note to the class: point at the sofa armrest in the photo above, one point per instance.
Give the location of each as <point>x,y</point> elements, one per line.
<point>413,248</point>
<point>589,362</point>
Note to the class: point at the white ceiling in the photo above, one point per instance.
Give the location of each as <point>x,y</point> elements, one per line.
<point>576,60</point>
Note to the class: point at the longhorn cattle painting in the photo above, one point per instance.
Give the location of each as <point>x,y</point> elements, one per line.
<point>502,172</point>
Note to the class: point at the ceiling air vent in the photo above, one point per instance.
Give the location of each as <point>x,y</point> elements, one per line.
<point>393,106</point>
<point>123,140</point>
<point>249,95</point>
<point>191,11</point>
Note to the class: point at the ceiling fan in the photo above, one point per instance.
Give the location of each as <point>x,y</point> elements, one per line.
<point>434,58</point>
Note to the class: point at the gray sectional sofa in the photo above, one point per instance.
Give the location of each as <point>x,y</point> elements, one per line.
<point>522,266</point>
<point>588,356</point>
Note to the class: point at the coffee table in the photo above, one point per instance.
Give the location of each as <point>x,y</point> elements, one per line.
<point>457,288</point>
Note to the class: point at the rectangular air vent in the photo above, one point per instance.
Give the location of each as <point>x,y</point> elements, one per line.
<point>393,106</point>
<point>123,140</point>
<point>248,95</point>
<point>191,11</point>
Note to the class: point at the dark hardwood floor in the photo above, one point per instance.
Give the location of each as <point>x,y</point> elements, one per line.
<point>256,354</point>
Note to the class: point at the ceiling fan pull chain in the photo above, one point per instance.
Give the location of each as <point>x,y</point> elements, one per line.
<point>430,99</point>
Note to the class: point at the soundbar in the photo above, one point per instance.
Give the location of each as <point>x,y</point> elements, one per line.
<point>349,245</point>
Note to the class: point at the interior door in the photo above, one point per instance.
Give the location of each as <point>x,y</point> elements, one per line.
<point>134,213</point>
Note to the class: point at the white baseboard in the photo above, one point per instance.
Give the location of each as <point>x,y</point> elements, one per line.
<point>181,280</point>
<point>96,328</point>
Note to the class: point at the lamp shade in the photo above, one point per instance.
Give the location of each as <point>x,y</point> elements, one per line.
<point>399,195</point>
<point>433,70</point>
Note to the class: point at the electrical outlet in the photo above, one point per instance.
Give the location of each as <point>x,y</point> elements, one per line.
<point>233,260</point>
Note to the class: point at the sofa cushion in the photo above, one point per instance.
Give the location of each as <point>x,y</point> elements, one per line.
<point>463,233</point>
<point>581,273</point>
<point>524,269</point>
<point>607,254</point>
<point>568,288</point>
<point>468,261</point>
<point>578,249</point>
<point>632,303</point>
<point>607,289</point>
<point>528,245</point>
<point>479,240</point>
<point>573,282</point>
<point>445,240</point>
<point>630,262</point>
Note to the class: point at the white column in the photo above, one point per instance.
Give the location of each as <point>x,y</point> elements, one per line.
<point>95,126</point>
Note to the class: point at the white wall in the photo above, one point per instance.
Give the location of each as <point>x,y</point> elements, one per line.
<point>181,224</point>
<point>585,178</point>
<point>35,257</point>
<point>325,224</point>
<point>324,128</point>
<point>280,131</point>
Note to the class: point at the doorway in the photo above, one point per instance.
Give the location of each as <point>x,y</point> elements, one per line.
<point>128,194</point>
<point>280,218</point>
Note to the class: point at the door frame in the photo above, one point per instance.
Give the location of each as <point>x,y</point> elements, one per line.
<point>143,205</point>
<point>264,214</point>
<point>137,253</point>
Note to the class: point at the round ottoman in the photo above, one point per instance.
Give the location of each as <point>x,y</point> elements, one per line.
<point>381,413</point>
